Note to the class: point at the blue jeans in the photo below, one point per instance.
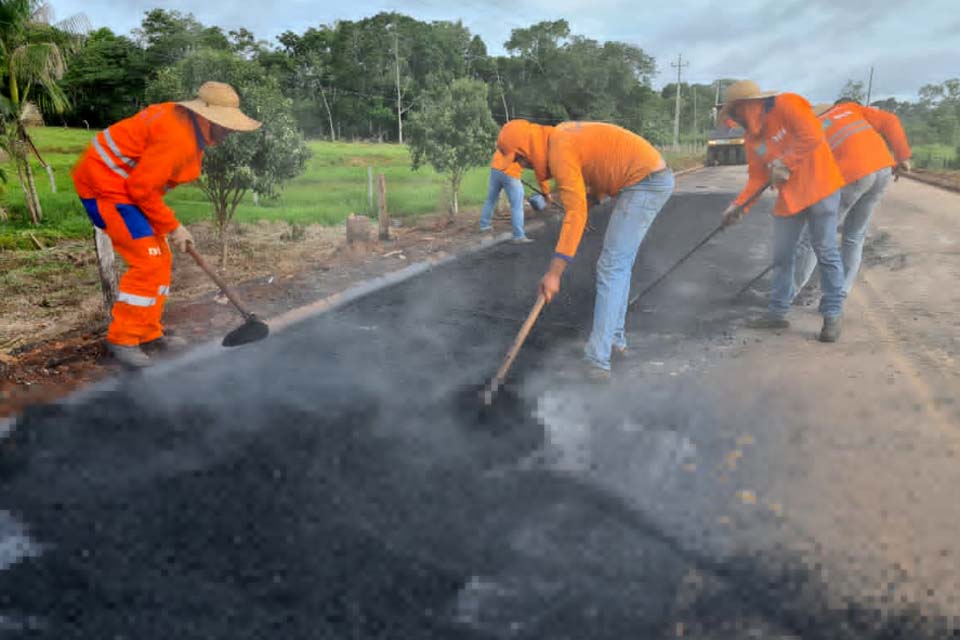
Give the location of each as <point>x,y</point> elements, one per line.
<point>857,202</point>
<point>514,188</point>
<point>636,208</point>
<point>821,219</point>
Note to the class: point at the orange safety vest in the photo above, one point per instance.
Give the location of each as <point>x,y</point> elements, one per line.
<point>137,160</point>
<point>858,137</point>
<point>784,127</point>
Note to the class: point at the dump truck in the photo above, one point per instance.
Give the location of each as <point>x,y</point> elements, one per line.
<point>725,145</point>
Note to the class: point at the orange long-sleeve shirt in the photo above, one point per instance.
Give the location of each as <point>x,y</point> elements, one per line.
<point>859,137</point>
<point>579,155</point>
<point>784,127</point>
<point>514,170</point>
<point>604,157</point>
<point>137,160</point>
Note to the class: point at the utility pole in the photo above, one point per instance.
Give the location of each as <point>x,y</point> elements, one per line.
<point>679,64</point>
<point>714,109</point>
<point>870,86</point>
<point>396,57</point>
<point>694,89</point>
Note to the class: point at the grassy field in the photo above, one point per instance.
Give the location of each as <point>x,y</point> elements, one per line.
<point>333,186</point>
<point>934,156</point>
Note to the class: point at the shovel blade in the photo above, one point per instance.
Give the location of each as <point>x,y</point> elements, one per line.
<point>253,330</point>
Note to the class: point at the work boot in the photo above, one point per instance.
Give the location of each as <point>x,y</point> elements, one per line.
<point>769,321</point>
<point>593,373</point>
<point>831,329</point>
<point>130,356</point>
<point>167,344</point>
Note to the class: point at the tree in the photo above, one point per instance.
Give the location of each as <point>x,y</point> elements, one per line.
<point>169,36</point>
<point>32,60</point>
<point>106,80</point>
<point>853,90</point>
<point>259,162</point>
<point>453,131</point>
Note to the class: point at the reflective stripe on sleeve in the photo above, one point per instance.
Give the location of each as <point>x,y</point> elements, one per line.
<point>116,150</point>
<point>108,160</point>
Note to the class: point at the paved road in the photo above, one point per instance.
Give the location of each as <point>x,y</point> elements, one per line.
<point>340,479</point>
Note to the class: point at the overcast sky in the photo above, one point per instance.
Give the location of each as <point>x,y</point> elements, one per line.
<point>807,46</point>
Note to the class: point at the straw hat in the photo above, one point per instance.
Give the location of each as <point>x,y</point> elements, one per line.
<point>741,90</point>
<point>822,108</point>
<point>220,104</point>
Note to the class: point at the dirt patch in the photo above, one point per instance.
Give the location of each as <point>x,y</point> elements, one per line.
<point>949,180</point>
<point>880,250</point>
<point>51,337</point>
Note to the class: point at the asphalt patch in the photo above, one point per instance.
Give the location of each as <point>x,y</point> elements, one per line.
<point>333,482</point>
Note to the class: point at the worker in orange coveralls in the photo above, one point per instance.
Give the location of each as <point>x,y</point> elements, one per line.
<point>861,139</point>
<point>786,147</point>
<point>608,161</point>
<point>121,180</point>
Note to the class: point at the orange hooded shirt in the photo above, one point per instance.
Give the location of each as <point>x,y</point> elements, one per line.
<point>578,155</point>
<point>784,127</point>
<point>514,170</point>
<point>859,137</point>
<point>137,160</point>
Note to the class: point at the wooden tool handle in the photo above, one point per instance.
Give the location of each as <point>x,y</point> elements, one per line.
<point>224,287</point>
<point>517,343</point>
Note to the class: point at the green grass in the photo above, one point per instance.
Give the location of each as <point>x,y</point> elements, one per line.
<point>934,156</point>
<point>333,186</point>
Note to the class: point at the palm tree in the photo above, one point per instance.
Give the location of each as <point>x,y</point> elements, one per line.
<point>32,60</point>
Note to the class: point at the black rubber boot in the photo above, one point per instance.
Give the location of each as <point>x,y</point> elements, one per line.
<point>170,344</point>
<point>831,329</point>
<point>769,321</point>
<point>130,356</point>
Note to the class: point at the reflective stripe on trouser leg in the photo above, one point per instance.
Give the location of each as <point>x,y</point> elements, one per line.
<point>149,262</point>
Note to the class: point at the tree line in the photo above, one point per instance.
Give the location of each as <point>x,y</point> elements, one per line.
<point>362,79</point>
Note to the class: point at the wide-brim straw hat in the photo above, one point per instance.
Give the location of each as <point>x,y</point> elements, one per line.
<point>219,103</point>
<point>741,90</point>
<point>822,108</point>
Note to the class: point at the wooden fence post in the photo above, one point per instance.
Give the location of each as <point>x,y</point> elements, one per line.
<point>384,214</point>
<point>370,188</point>
<point>105,265</point>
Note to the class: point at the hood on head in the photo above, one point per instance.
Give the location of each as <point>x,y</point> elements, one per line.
<point>523,138</point>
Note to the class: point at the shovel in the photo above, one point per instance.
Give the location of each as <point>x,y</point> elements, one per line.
<point>497,380</point>
<point>253,329</point>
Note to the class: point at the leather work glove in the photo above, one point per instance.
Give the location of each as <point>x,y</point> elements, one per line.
<point>181,237</point>
<point>732,215</point>
<point>904,166</point>
<point>779,172</point>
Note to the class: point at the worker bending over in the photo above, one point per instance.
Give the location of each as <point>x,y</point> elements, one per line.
<point>121,180</point>
<point>505,176</point>
<point>786,146</point>
<point>861,139</point>
<point>609,161</point>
